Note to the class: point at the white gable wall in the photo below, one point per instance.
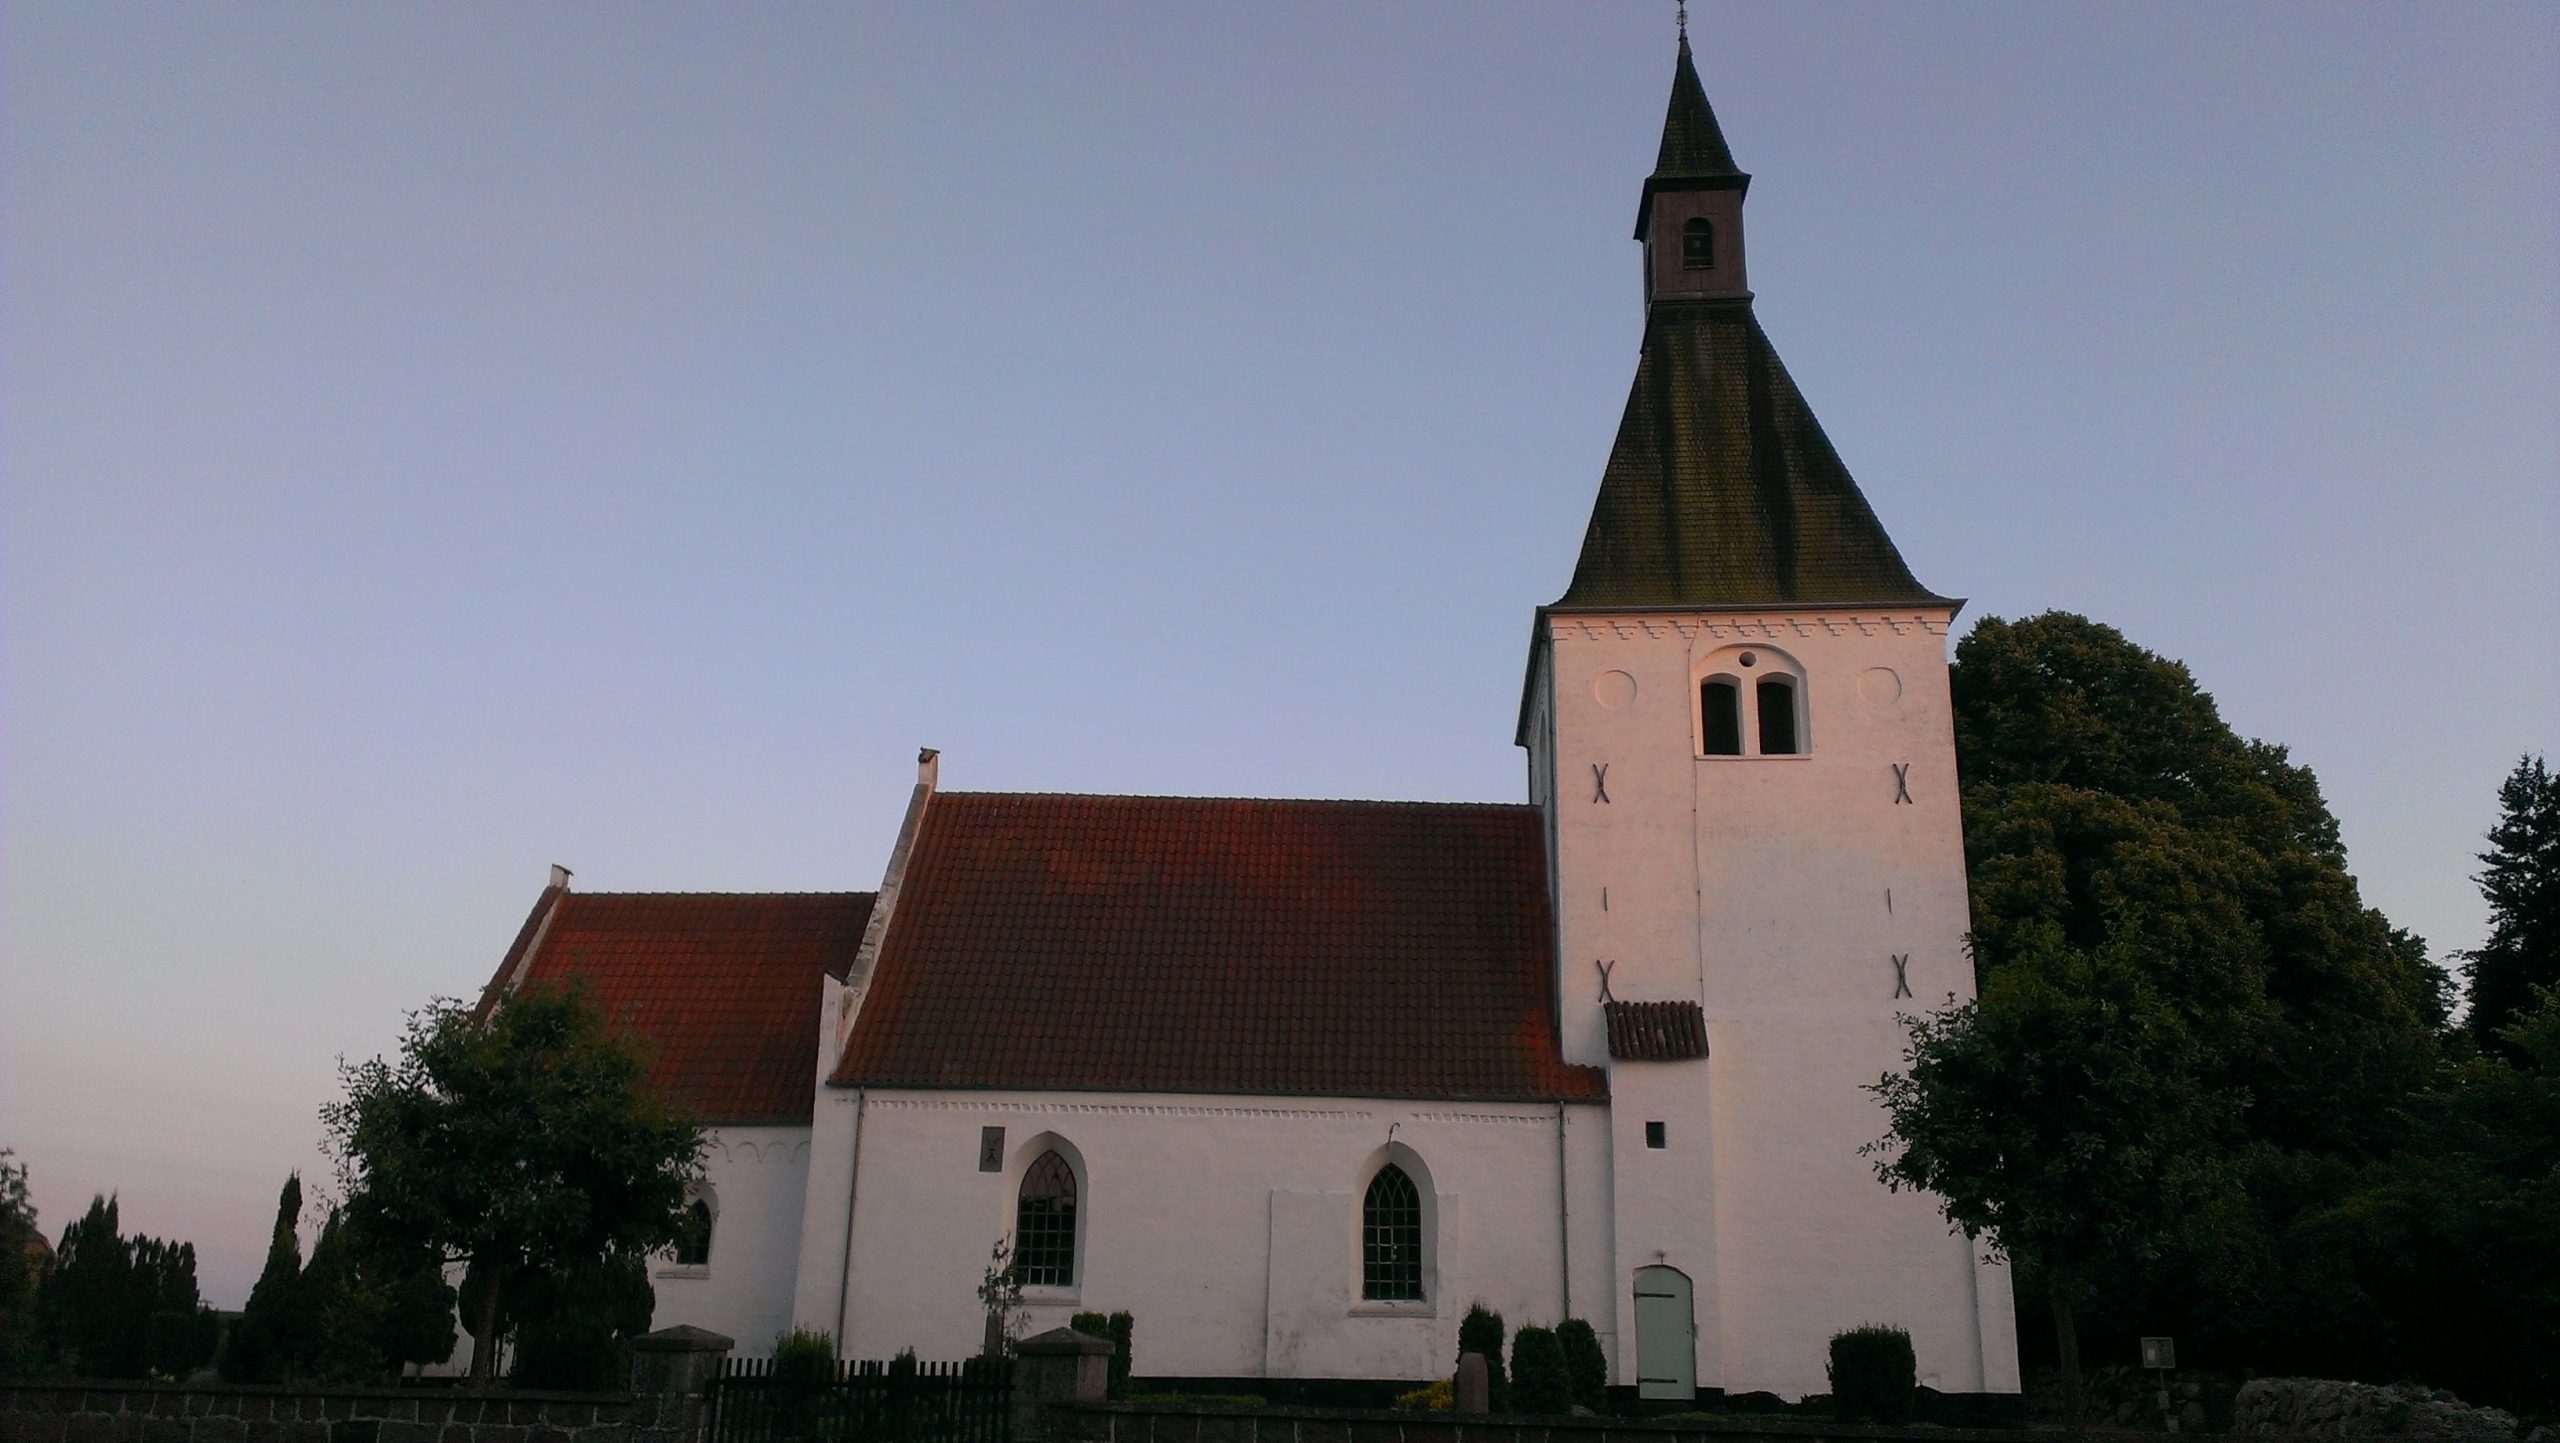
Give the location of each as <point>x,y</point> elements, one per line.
<point>758,1179</point>
<point>1228,1226</point>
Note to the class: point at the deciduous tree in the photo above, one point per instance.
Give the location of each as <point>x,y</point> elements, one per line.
<point>2180,990</point>
<point>518,1137</point>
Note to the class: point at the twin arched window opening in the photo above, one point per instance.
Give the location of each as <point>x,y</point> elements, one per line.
<point>1698,245</point>
<point>1044,1224</point>
<point>1776,717</point>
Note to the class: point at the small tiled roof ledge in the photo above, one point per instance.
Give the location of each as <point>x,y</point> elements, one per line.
<point>875,932</point>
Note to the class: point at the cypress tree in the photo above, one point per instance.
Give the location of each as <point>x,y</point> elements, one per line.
<point>272,1334</point>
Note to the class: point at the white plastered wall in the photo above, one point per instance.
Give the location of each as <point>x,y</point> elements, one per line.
<point>1757,887</point>
<point>1228,1226</point>
<point>757,1180</point>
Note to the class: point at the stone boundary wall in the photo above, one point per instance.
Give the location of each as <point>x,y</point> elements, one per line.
<point>175,1413</point>
<point>1204,1423</point>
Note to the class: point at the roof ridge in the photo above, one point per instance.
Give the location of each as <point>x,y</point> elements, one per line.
<point>839,894</point>
<point>1276,801</point>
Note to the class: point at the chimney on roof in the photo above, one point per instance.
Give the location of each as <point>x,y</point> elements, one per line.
<point>559,876</point>
<point>928,768</point>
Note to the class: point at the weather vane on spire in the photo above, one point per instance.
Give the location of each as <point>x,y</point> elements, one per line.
<point>1681,9</point>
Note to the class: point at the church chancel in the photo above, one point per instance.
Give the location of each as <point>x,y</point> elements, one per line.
<point>1296,1082</point>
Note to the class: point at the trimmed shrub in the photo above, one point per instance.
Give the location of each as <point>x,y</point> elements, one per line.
<point>1873,1376</point>
<point>1433,1397</point>
<point>1116,1328</point>
<point>1482,1332</point>
<point>1586,1367</point>
<point>1123,1329</point>
<point>804,1355</point>
<point>1539,1384</point>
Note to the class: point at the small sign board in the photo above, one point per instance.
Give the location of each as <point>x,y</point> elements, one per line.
<point>2160,1353</point>
<point>991,1149</point>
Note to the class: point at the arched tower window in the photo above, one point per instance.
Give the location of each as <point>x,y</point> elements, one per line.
<point>1720,716</point>
<point>1044,1224</point>
<point>1778,716</point>
<point>1391,1238</point>
<point>1751,703</point>
<point>693,1239</point>
<point>1698,245</point>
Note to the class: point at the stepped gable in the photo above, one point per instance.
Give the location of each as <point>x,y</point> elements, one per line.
<point>1200,945</point>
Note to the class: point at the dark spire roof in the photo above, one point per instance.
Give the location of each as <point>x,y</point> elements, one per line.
<point>1692,145</point>
<point>1722,490</point>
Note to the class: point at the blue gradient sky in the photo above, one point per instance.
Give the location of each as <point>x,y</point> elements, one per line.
<point>444,440</point>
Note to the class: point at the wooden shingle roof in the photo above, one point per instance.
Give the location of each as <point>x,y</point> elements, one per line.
<point>1722,491</point>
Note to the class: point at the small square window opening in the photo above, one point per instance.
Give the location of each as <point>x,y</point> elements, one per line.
<point>1653,1135</point>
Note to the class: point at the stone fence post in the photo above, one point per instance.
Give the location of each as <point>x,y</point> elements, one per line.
<point>675,1366</point>
<point>1058,1366</point>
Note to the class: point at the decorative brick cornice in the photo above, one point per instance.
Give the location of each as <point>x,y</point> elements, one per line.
<point>1741,626</point>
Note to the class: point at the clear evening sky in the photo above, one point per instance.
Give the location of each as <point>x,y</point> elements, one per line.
<point>438,441</point>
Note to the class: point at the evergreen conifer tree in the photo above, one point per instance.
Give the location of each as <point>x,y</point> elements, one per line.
<point>2521,879</point>
<point>273,1333</point>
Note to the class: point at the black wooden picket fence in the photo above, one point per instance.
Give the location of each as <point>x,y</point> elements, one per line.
<point>903,1401</point>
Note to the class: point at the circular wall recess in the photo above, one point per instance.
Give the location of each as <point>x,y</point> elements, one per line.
<point>1613,688</point>
<point>1880,686</point>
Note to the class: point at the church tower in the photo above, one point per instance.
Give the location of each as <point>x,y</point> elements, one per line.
<point>1739,731</point>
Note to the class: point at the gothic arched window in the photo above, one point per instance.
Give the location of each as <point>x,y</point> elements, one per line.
<point>1391,1238</point>
<point>693,1240</point>
<point>1044,1224</point>
<point>1698,245</point>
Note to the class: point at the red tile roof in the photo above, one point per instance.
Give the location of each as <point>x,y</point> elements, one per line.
<point>1178,944</point>
<point>1656,1031</point>
<point>724,985</point>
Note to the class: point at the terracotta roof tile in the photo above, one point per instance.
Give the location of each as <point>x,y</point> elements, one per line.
<point>1656,1031</point>
<point>1175,944</point>
<point>724,985</point>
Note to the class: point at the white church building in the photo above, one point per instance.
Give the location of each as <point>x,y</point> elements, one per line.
<point>1296,1082</point>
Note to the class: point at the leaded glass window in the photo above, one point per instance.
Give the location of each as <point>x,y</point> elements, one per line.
<point>1391,1238</point>
<point>1044,1225</point>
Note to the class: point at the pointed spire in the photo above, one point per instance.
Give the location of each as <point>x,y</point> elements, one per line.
<point>1693,146</point>
<point>1694,155</point>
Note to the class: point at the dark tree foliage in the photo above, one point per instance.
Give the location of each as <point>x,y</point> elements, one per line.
<point>573,1324</point>
<point>2147,884</point>
<point>2520,876</point>
<point>1585,1364</point>
<point>21,1269</point>
<point>117,1307</point>
<point>522,1141</point>
<point>276,1332</point>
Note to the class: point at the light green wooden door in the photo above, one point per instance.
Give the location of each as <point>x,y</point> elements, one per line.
<point>1666,1335</point>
